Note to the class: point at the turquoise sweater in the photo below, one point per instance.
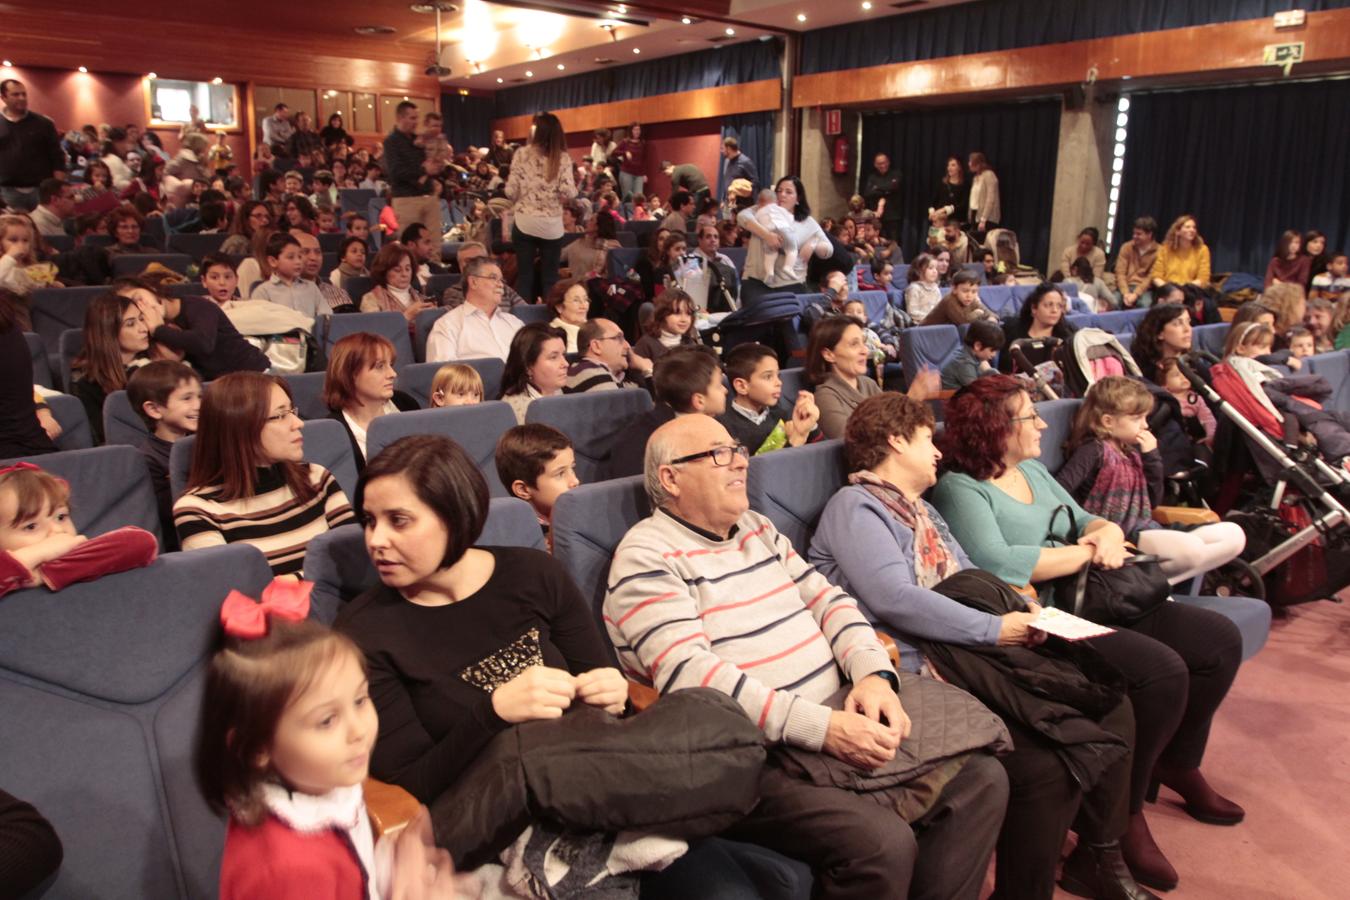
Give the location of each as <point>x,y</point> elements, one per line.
<point>1002,535</point>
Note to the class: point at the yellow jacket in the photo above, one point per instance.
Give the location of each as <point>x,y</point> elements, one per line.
<point>1190,264</point>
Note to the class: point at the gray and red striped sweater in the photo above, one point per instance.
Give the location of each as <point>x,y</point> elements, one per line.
<point>746,616</point>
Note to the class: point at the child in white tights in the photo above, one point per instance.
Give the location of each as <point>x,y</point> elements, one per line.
<point>777,263</point>
<point>1116,472</point>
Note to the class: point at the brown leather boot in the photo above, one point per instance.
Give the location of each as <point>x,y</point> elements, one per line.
<point>1202,801</point>
<point>1146,861</point>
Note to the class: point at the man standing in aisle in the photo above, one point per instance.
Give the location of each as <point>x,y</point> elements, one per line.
<point>410,175</point>
<point>30,150</point>
<point>881,192</point>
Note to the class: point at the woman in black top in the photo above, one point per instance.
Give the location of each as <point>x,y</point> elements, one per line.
<point>659,262</point>
<point>20,433</point>
<point>1041,316</point>
<point>461,642</point>
<point>194,327</point>
<point>953,193</point>
<point>334,133</point>
<point>116,340</point>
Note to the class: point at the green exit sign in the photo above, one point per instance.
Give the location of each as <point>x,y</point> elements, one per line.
<point>1283,55</point>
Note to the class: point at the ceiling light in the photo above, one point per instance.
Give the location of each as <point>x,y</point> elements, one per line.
<point>83,70</point>
<point>7,64</point>
<point>529,74</point>
<point>731,32</point>
<point>622,8</point>
<point>867,5</point>
<point>219,80</point>
<point>801,17</point>
<point>150,75</point>
<point>561,67</point>
<point>685,20</point>
<point>499,81</point>
<point>637,50</point>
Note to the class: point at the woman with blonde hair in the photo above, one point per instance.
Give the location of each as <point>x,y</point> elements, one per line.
<point>540,182</point>
<point>1183,257</point>
<point>1289,304</point>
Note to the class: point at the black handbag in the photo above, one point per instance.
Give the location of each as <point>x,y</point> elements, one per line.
<point>1113,597</point>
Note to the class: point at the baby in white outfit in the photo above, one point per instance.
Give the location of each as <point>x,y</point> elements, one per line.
<point>777,263</point>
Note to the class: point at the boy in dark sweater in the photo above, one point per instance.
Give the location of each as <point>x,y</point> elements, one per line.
<point>167,396</point>
<point>980,345</point>
<point>537,464</point>
<point>757,416</point>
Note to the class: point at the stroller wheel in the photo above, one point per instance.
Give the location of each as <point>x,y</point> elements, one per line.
<point>1235,578</point>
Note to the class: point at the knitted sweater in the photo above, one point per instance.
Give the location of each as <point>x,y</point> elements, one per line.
<point>1182,266</point>
<point>745,615</point>
<point>274,520</point>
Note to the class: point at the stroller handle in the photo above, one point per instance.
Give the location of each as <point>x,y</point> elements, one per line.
<point>1197,383</point>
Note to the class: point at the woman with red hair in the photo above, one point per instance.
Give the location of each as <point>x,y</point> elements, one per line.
<point>1178,660</point>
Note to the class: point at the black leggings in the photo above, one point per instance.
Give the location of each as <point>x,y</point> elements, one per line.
<point>1178,663</point>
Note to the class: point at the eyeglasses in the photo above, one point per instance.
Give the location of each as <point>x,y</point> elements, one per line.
<point>611,337</point>
<point>284,415</point>
<point>721,456</point>
<point>496,278</point>
<point>1028,418</point>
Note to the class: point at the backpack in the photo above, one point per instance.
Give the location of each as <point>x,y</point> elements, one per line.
<point>282,334</point>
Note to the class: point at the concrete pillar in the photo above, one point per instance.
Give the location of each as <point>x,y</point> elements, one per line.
<point>1083,173</point>
<point>827,192</point>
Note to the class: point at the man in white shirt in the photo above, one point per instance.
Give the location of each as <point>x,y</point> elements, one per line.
<point>477,328</point>
<point>277,128</point>
<point>56,204</point>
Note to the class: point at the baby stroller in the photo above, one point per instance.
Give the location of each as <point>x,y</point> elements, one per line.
<point>1297,540</point>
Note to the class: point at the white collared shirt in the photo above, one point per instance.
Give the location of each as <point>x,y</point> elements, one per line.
<point>466,332</point>
<point>359,433</point>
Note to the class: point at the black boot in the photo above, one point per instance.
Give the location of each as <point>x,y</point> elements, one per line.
<point>1099,871</point>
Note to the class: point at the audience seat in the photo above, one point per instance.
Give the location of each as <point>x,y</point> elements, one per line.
<point>627,239</point>
<point>330,243</point>
<point>620,260</point>
<point>1209,338</point>
<point>437,284</point>
<point>70,415</point>
<point>533,312</point>
<point>417,379</point>
<point>307,391</point>
<point>42,365</point>
<point>1078,320</point>
<point>1335,368</point>
<point>357,286</point>
<point>422,325</point>
<point>1252,617</point>
<point>449,249</point>
<point>391,325</point>
<point>154,234</point>
<point>136,263</point>
<point>475,428</point>
<point>61,243</point>
<point>337,563</point>
<point>772,321</point>
<point>1121,321</point>
<point>56,310</point>
<point>100,693</point>
<point>329,263</point>
<point>355,200</point>
<point>792,486</point>
<point>593,421</point>
<point>794,381</point>
<point>197,245</point>
<point>874,302</point>
<point>69,346</point>
<point>928,346</point>
<point>109,487</point>
<point>121,425</point>
<point>1000,299</point>
<point>736,255</point>
<point>187,289</point>
<point>326,443</point>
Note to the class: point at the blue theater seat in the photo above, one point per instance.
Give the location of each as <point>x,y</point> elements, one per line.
<point>121,425</point>
<point>100,692</point>
<point>533,313</point>
<point>307,392</point>
<point>874,302</point>
<point>1335,368</point>
<point>109,488</point>
<point>197,245</point>
<point>593,421</point>
<point>68,347</point>
<point>1209,338</point>
<point>69,414</point>
<point>931,346</point>
<point>57,310</point>
<point>794,381</point>
<point>416,379</point>
<point>1121,321</point>
<point>326,444</point>
<point>422,325</point>
<point>437,285</point>
<point>475,428</point>
<point>390,325</point>
<point>792,486</point>
<point>42,368</point>
<point>136,263</point>
<point>337,563</point>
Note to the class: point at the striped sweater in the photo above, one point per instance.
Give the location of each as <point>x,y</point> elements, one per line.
<point>746,616</point>
<point>272,520</point>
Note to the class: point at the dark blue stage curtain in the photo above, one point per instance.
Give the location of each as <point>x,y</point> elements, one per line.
<point>736,64</point>
<point>988,25</point>
<point>1020,140</point>
<point>468,120</point>
<point>755,133</point>
<point>1248,162</point>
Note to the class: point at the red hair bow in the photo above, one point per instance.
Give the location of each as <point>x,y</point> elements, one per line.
<point>285,598</point>
<point>20,467</point>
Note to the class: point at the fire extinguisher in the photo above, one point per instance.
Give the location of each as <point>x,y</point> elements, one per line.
<point>841,155</point>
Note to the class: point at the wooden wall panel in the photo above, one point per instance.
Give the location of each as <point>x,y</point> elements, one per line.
<point>707,103</point>
<point>1211,52</point>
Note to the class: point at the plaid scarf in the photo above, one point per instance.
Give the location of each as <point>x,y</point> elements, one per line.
<point>1120,493</point>
<point>933,561</point>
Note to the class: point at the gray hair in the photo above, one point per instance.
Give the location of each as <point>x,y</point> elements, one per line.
<point>660,451</point>
<point>476,265</point>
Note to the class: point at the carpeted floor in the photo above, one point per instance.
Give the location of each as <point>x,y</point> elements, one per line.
<point>1281,748</point>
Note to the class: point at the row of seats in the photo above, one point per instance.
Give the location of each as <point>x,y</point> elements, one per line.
<point>194,246</point>
<point>86,671</point>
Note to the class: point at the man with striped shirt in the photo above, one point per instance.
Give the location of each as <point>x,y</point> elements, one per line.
<point>706,593</point>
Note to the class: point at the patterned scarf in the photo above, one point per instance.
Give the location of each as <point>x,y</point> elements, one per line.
<point>933,561</point>
<point>1120,493</point>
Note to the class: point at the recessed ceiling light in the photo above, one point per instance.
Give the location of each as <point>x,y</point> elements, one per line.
<point>867,4</point>
<point>83,70</point>
<point>368,30</point>
<point>499,81</point>
<point>529,74</point>
<point>7,64</point>
<point>219,80</point>
<point>561,67</point>
<point>150,75</point>
<point>637,50</point>
<point>801,17</point>
<point>685,20</point>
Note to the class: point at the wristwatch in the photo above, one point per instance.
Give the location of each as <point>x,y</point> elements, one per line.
<point>890,677</point>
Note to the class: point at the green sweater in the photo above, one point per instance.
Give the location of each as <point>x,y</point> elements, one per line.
<point>1002,535</point>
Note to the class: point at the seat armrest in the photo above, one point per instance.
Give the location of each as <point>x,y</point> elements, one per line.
<point>1184,515</point>
<point>891,649</point>
<point>389,806</point>
<point>641,696</point>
